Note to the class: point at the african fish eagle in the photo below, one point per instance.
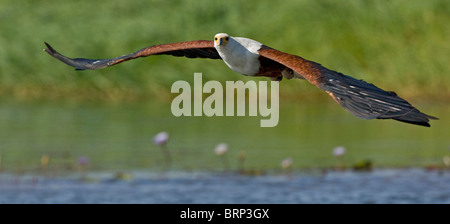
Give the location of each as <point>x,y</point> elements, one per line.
<point>251,58</point>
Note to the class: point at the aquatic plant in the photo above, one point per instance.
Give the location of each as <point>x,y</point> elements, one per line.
<point>286,163</point>
<point>339,152</point>
<point>161,140</point>
<point>221,150</point>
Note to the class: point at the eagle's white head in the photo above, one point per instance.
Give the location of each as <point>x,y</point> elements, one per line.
<point>221,39</point>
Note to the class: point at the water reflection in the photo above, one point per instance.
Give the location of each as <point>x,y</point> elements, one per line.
<point>52,136</point>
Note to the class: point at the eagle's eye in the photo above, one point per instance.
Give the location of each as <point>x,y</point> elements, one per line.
<point>226,38</point>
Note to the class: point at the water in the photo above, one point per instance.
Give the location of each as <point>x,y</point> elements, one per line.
<point>42,143</point>
<point>379,186</point>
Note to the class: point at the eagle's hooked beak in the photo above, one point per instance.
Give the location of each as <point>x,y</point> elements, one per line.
<point>220,41</point>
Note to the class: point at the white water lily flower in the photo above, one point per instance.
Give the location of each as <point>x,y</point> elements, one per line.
<point>161,138</point>
<point>339,151</point>
<point>286,163</point>
<point>221,149</point>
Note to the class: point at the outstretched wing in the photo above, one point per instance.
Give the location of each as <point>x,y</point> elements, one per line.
<point>190,49</point>
<point>360,98</point>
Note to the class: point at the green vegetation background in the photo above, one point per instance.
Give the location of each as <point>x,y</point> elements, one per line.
<point>400,45</point>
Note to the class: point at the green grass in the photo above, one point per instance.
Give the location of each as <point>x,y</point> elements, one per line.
<point>399,45</point>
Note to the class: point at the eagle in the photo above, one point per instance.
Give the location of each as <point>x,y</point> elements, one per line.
<point>252,58</point>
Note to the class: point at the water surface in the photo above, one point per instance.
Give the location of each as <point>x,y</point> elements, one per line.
<point>119,136</point>
<point>43,144</point>
<point>379,186</point>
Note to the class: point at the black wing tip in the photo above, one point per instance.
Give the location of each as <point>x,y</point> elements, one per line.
<point>420,123</point>
<point>432,118</point>
<point>78,63</point>
<point>367,101</point>
<point>49,49</point>
<point>421,120</point>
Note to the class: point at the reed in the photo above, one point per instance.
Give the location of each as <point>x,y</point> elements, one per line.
<point>400,45</point>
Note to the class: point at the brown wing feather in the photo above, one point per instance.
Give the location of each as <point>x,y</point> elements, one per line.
<point>190,49</point>
<point>360,98</point>
<point>307,69</point>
